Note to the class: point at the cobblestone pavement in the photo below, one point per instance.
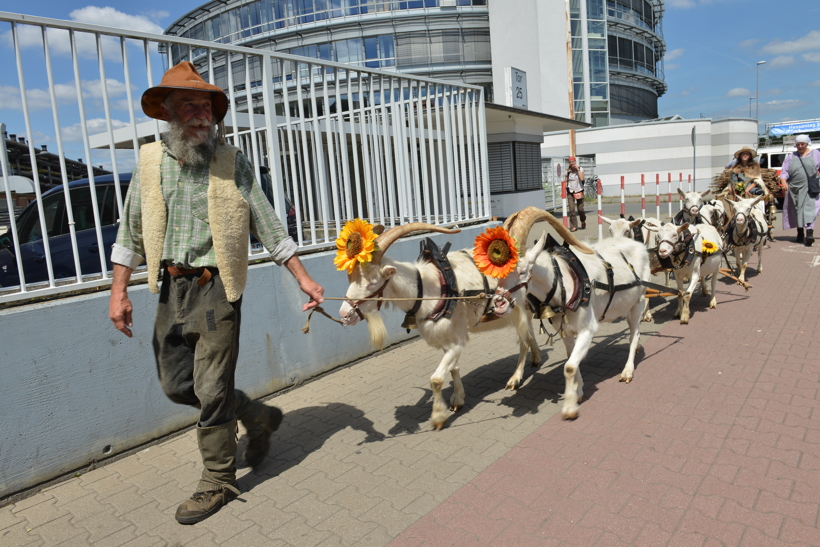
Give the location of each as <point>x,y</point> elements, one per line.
<point>713,443</point>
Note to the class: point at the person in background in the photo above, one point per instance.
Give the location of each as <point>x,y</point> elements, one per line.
<point>799,208</point>
<point>191,205</point>
<point>746,178</point>
<point>574,188</point>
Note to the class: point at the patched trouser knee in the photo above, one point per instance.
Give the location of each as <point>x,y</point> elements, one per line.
<point>196,343</point>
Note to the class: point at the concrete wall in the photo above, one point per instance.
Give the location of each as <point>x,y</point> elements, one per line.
<point>503,205</point>
<point>656,148</point>
<point>531,35</point>
<point>75,390</point>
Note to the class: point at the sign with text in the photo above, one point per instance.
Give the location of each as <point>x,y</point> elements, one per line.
<point>516,87</point>
<point>792,128</point>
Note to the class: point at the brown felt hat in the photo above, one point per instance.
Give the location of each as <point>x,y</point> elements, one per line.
<point>183,76</point>
<point>746,149</point>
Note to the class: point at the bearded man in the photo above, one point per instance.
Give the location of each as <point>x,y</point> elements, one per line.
<point>191,205</point>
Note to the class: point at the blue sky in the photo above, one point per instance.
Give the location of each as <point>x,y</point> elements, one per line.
<point>712,50</point>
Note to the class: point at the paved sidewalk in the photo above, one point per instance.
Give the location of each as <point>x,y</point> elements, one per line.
<point>713,443</point>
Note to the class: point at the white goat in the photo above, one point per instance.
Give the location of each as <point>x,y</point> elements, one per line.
<point>393,279</point>
<point>623,227</point>
<point>696,211</point>
<point>535,274</point>
<point>746,232</point>
<point>683,246</point>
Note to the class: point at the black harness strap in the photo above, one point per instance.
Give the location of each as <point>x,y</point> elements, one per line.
<point>687,249</point>
<point>751,235</point>
<point>410,316</point>
<point>431,253</point>
<point>580,276</point>
<point>610,287</point>
<point>476,292</point>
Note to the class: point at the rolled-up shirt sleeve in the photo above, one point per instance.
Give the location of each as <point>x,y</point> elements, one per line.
<point>265,223</point>
<point>128,248</point>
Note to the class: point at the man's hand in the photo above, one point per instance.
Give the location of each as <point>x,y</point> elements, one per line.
<point>306,283</point>
<point>119,306</point>
<point>314,291</point>
<point>119,311</point>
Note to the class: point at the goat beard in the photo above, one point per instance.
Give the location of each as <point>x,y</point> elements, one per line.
<point>376,328</point>
<point>186,150</point>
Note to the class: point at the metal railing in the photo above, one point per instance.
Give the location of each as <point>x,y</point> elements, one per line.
<point>338,142</point>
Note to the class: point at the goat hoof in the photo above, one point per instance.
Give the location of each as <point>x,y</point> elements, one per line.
<point>512,386</point>
<point>626,380</point>
<point>455,408</point>
<point>570,415</point>
<point>438,426</point>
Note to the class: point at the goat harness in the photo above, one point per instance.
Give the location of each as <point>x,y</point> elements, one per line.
<point>750,235</point>
<point>683,252</point>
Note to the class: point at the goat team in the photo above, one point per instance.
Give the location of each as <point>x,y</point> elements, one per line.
<point>449,296</point>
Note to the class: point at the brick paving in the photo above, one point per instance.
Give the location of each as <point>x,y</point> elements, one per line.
<point>713,443</point>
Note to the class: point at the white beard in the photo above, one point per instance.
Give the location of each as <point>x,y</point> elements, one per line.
<point>377,330</point>
<point>184,149</point>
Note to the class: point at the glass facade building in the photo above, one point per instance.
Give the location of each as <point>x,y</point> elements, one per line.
<point>617,45</point>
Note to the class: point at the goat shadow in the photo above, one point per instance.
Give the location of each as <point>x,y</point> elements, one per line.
<point>606,358</point>
<point>303,432</point>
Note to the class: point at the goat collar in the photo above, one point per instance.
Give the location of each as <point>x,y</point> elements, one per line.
<point>377,294</point>
<point>683,252</point>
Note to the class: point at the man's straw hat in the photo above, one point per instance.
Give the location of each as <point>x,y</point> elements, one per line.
<point>183,76</point>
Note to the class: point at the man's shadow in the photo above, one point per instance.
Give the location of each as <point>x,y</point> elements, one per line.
<point>303,432</point>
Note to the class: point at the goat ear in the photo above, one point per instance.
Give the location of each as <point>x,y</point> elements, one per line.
<point>757,199</point>
<point>681,193</point>
<point>652,227</point>
<point>635,223</point>
<point>608,221</point>
<point>378,229</point>
<point>705,193</point>
<point>684,227</point>
<point>388,271</point>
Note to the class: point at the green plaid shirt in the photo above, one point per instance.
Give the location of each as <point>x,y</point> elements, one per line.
<point>188,239</point>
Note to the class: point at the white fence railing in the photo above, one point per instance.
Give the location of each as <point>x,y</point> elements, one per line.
<point>330,141</point>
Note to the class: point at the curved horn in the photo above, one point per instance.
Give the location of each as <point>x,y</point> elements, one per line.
<point>530,215</point>
<point>385,240</point>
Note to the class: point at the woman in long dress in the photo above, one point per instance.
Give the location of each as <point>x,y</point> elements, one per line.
<point>799,208</point>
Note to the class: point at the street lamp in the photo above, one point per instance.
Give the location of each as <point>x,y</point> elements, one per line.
<point>750,105</point>
<point>757,91</point>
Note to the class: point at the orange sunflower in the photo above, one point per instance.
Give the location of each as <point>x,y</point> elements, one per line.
<point>355,245</point>
<point>495,252</point>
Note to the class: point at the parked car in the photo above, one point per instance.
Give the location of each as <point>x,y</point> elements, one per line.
<point>32,249</point>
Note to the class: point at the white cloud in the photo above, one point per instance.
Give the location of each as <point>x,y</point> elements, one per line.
<point>782,61</point>
<point>671,66</point>
<point>674,54</point>
<point>682,4</point>
<point>739,92</point>
<point>809,42</point>
<point>685,93</point>
<point>815,83</point>
<point>73,133</point>
<point>58,40</point>
<point>66,93</point>
<point>813,57</point>
<point>782,104</point>
<point>745,44</point>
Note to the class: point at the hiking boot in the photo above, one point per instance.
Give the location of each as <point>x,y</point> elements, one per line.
<point>799,238</point>
<point>809,237</point>
<point>259,433</point>
<point>204,504</point>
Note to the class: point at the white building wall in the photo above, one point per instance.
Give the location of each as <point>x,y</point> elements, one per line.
<point>662,148</point>
<point>531,35</point>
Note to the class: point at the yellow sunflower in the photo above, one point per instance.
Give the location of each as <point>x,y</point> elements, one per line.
<point>495,253</point>
<point>708,247</point>
<point>355,245</point>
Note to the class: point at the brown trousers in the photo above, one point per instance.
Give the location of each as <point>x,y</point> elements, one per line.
<point>572,203</point>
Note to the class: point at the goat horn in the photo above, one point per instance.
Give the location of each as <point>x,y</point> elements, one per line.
<point>385,240</point>
<point>524,220</point>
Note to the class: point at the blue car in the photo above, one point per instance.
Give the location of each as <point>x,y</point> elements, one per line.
<point>32,249</point>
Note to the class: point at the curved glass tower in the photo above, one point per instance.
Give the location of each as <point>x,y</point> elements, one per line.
<point>617,45</point>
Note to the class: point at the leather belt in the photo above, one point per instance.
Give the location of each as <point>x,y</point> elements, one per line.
<point>203,273</point>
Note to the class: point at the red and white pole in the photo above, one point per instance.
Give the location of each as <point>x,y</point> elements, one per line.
<point>669,197</point>
<point>623,198</point>
<point>658,194</point>
<point>564,204</point>
<point>689,189</point>
<point>643,196</point>
<point>600,211</point>
<point>680,186</point>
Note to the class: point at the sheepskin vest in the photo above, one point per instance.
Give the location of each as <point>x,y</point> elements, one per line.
<point>228,216</point>
<point>751,171</point>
